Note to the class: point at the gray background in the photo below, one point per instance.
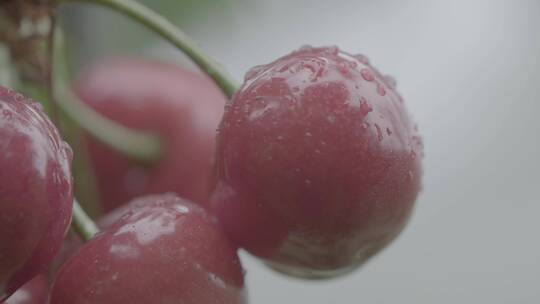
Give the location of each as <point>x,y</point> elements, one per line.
<point>470,73</point>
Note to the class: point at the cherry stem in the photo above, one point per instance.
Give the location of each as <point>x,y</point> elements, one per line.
<point>82,223</point>
<point>140,145</point>
<point>7,77</point>
<point>175,36</point>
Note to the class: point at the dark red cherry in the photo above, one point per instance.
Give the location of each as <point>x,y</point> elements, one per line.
<point>318,163</point>
<point>183,107</point>
<point>164,250</point>
<point>36,291</point>
<point>35,190</point>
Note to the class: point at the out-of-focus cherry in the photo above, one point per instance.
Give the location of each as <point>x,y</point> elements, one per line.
<point>182,107</point>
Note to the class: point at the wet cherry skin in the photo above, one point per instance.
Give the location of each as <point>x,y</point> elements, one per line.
<point>164,250</point>
<point>35,190</point>
<point>183,107</point>
<point>318,163</point>
<point>36,291</point>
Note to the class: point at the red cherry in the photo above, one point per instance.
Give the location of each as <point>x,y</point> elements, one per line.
<point>164,250</point>
<point>36,291</point>
<point>182,107</point>
<point>318,163</point>
<point>35,190</point>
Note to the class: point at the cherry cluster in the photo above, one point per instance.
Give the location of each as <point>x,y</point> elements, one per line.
<point>313,166</point>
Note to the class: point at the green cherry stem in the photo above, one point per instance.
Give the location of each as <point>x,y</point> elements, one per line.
<point>174,35</point>
<point>141,145</point>
<point>82,223</point>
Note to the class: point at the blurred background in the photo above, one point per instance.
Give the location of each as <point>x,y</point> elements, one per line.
<point>470,74</point>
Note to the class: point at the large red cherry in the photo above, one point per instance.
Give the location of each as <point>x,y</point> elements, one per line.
<point>318,163</point>
<point>35,190</point>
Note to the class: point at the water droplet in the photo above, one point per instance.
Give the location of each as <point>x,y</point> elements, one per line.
<point>265,109</point>
<point>308,134</point>
<point>410,175</point>
<point>390,81</point>
<point>332,50</point>
<point>67,150</point>
<point>253,72</point>
<point>280,137</point>
<point>306,47</point>
<point>343,68</point>
<point>285,68</point>
<point>36,106</point>
<point>366,74</point>
<point>362,58</point>
<point>18,96</point>
<point>380,89</point>
<point>308,182</point>
<point>7,114</point>
<point>388,131</point>
<point>379,132</point>
<point>365,108</point>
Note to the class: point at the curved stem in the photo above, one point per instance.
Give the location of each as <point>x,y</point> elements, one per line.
<point>7,73</point>
<point>141,145</point>
<point>82,223</point>
<point>171,33</point>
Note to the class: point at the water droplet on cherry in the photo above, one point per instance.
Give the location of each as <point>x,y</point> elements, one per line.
<point>362,58</point>
<point>305,47</point>
<point>366,74</point>
<point>7,114</point>
<point>253,72</point>
<point>380,89</point>
<point>334,50</point>
<point>379,132</point>
<point>36,106</point>
<point>365,107</point>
